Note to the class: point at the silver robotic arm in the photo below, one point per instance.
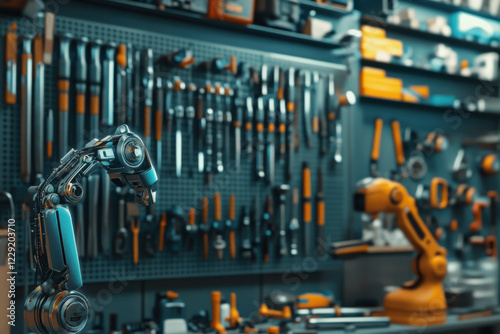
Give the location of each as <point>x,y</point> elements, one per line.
<point>54,307</point>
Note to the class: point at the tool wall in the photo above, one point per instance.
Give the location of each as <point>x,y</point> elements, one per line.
<point>186,191</point>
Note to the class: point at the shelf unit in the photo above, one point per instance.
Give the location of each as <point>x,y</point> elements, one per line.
<point>450,8</point>
<point>326,10</point>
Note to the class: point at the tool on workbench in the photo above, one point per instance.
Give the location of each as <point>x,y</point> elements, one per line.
<point>490,164</point>
<point>423,298</point>
<point>320,213</point>
<point>205,227</point>
<point>209,134</point>
<point>232,226</point>
<point>256,219</point>
<point>26,107</point>
<point>259,140</point>
<point>179,87</point>
<point>49,139</point>
<point>307,208</point>
<point>190,113</point>
<point>234,318</point>
<point>246,249</point>
<point>191,230</point>
<point>170,313</point>
<point>215,324</point>
<point>177,226</point>
<point>11,42</point>
<point>281,14</point>
<point>239,11</point>
<point>375,154</point>
<point>266,311</point>
<point>270,143</point>
<point>219,243</point>
<point>292,135</point>
<point>201,127</point>
<point>314,300</point>
<point>352,323</point>
<point>182,58</point>
<point>147,84</point>
<point>461,170</point>
<point>282,244</point>
<point>95,79</point>
<point>38,106</point>
<point>219,128</point>
<point>434,196</point>
<point>269,226</point>
<point>160,107</point>
<point>249,115</point>
<point>108,85</point>
<point>121,235</point>
<point>294,223</point>
<point>401,173</point>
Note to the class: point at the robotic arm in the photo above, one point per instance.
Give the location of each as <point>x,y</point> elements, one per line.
<point>422,299</point>
<point>54,307</point>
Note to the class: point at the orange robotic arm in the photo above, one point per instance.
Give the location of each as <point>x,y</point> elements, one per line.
<point>425,294</point>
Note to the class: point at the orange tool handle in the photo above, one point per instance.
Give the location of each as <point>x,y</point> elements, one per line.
<point>80,104</point>
<point>273,330</point>
<point>163,224</point>
<point>454,225</point>
<point>434,193</point>
<point>215,324</point>
<point>204,214</point>
<point>147,121</point>
<point>233,66</point>
<point>94,105</point>
<point>352,250</point>
<point>313,300</point>
<point>477,208</point>
<point>232,244</point>
<point>234,316</point>
<point>172,295</point>
<point>192,217</point>
<point>398,142</point>
<point>121,56</point>
<point>315,124</point>
<point>232,207</point>
<point>187,62</point>
<point>377,136</point>
<point>134,226</point>
<point>50,149</point>
<point>217,207</point>
<point>320,211</point>
<point>63,86</point>
<point>37,51</point>
<point>290,106</point>
<point>265,311</point>
<point>489,164</point>
<point>306,192</point>
<point>158,124</point>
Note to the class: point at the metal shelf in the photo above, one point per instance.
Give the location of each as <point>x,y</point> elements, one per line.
<point>449,8</point>
<point>420,71</point>
<point>326,10</point>
<point>194,17</point>
<point>377,22</point>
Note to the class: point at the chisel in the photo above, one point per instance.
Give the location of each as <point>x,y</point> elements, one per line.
<point>306,207</point>
<point>282,131</point>
<point>26,108</point>
<point>63,87</point>
<point>38,106</point>
<point>314,102</point>
<point>232,226</point>
<point>209,139</point>
<point>169,117</point>
<point>268,220</point>
<point>294,223</point>
<point>306,107</point>
<point>11,40</point>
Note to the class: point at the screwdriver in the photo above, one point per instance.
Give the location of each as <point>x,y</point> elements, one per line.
<point>270,148</point>
<point>161,238</point>
<point>260,142</point>
<point>26,107</point>
<point>219,243</point>
<point>320,212</point>
<point>11,41</point>
<point>269,224</point>
<point>159,122</point>
<point>147,82</point>
<point>135,227</point>
<point>232,226</point>
<point>63,86</point>
<point>50,133</point>
<point>38,105</point>
<point>291,134</point>
<point>191,229</point>
<point>201,127</point>
<point>190,113</point>
<point>306,207</point>
<point>204,226</point>
<point>179,87</point>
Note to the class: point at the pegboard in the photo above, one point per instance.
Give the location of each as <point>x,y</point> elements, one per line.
<point>184,191</point>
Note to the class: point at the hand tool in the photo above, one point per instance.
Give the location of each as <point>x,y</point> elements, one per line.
<point>161,237</point>
<point>281,194</point>
<point>306,208</point>
<point>294,223</point>
<point>249,125</point>
<point>137,82</point>
<point>347,322</point>
<point>264,78</point>
<point>209,139</point>
<point>291,130</point>
<point>201,129</point>
<point>95,87</point>
<point>219,123</point>
<point>81,88</point>
<point>48,37</point>
<point>190,112</point>
<point>234,318</point>
<point>282,131</point>
<point>428,196</point>
<point>191,229</point>
<point>26,107</point>
<point>220,64</point>
<point>490,164</point>
<point>314,101</point>
<point>433,143</point>
<point>320,212</point>
<point>461,171</point>
<point>169,117</point>
<point>179,87</point>
<point>228,120</point>
<point>148,243</point>
<point>275,82</point>
<point>177,226</point>
<point>130,88</point>
<point>121,85</point>
<point>38,106</point>
<point>108,85</point>
<point>135,228</point>
<point>160,107</point>
<point>257,229</point>
<point>306,107</point>
<point>490,241</point>
<point>11,41</point>
<point>402,172</point>
<point>232,226</point>
<point>50,133</point>
<point>215,324</point>
<point>270,144</point>
<point>182,58</point>
<point>219,243</point>
<point>246,235</point>
<point>204,227</point>
<point>266,311</point>
<point>348,248</point>
<point>269,225</point>
<point>93,197</point>
<point>423,297</point>
<point>337,311</point>
<point>237,124</point>
<point>147,82</point>
<point>260,142</point>
<point>121,235</point>
<point>105,217</point>
<point>314,300</point>
<point>375,155</point>
<point>477,212</point>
